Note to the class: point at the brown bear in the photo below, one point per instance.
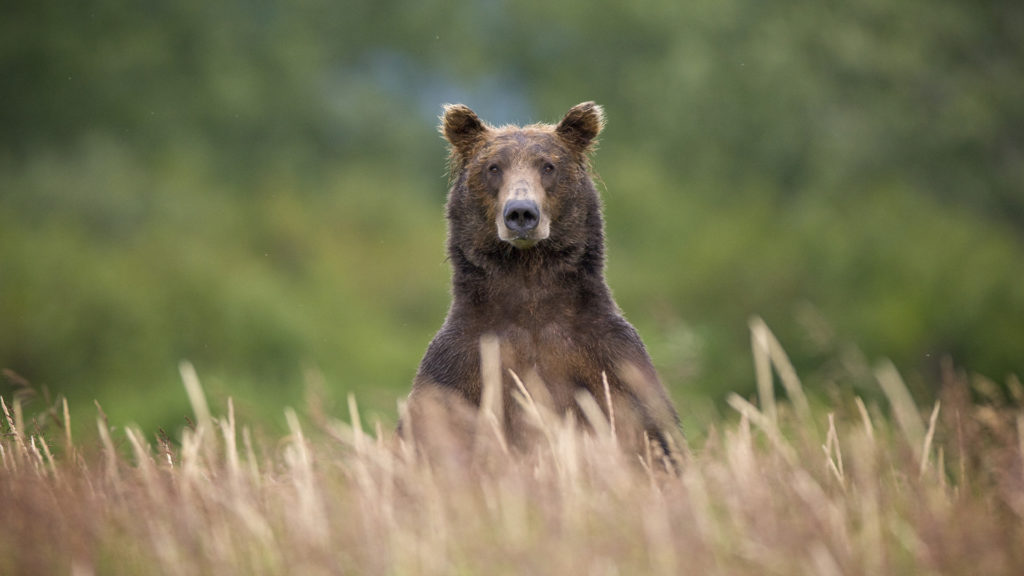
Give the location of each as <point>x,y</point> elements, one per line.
<point>526,246</point>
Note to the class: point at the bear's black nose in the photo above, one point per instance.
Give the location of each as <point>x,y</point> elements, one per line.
<point>521,215</point>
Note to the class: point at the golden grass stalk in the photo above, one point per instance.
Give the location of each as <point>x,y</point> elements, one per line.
<point>110,459</point>
<point>609,405</point>
<point>300,462</point>
<point>357,424</point>
<point>869,429</point>
<point>68,444</point>
<point>144,463</point>
<point>51,466</point>
<point>763,368</point>
<point>907,415</point>
<point>196,397</point>
<point>541,418</point>
<point>770,429</point>
<point>593,414</point>
<point>769,352</point>
<point>20,450</point>
<point>231,446</point>
<point>833,451</point>
<point>926,449</point>
<point>491,401</point>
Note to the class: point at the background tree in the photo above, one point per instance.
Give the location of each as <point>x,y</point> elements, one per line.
<point>257,186</point>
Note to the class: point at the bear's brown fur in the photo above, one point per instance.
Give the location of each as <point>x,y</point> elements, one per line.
<point>526,245</point>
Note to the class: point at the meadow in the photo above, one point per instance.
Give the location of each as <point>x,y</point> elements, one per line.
<point>259,189</point>
<point>781,485</point>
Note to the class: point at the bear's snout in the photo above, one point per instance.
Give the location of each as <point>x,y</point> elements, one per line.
<point>521,216</point>
<point>522,219</point>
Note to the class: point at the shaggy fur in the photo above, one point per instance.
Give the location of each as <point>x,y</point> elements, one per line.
<point>541,293</point>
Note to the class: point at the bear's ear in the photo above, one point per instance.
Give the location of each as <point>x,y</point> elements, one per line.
<point>581,125</point>
<point>462,129</point>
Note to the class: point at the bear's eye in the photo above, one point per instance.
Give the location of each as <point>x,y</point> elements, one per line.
<point>494,169</point>
<point>548,168</point>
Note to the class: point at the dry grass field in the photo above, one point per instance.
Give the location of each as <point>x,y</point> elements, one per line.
<point>784,486</point>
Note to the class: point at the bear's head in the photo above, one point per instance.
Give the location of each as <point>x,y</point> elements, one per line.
<point>519,192</point>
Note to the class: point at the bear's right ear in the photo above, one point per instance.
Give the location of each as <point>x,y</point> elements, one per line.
<point>462,129</point>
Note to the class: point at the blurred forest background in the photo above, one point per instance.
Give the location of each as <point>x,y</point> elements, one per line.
<point>257,187</point>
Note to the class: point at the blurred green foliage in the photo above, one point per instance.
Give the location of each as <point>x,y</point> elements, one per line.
<point>257,187</point>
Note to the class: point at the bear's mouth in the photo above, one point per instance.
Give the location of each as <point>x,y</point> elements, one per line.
<point>524,239</point>
<point>523,242</point>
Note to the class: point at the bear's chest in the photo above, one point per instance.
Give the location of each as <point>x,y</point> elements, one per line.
<point>553,353</point>
<point>551,329</point>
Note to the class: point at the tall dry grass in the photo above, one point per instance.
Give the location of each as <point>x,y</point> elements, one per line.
<point>783,488</point>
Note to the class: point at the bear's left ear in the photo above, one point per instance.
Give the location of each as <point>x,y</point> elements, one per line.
<point>581,125</point>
